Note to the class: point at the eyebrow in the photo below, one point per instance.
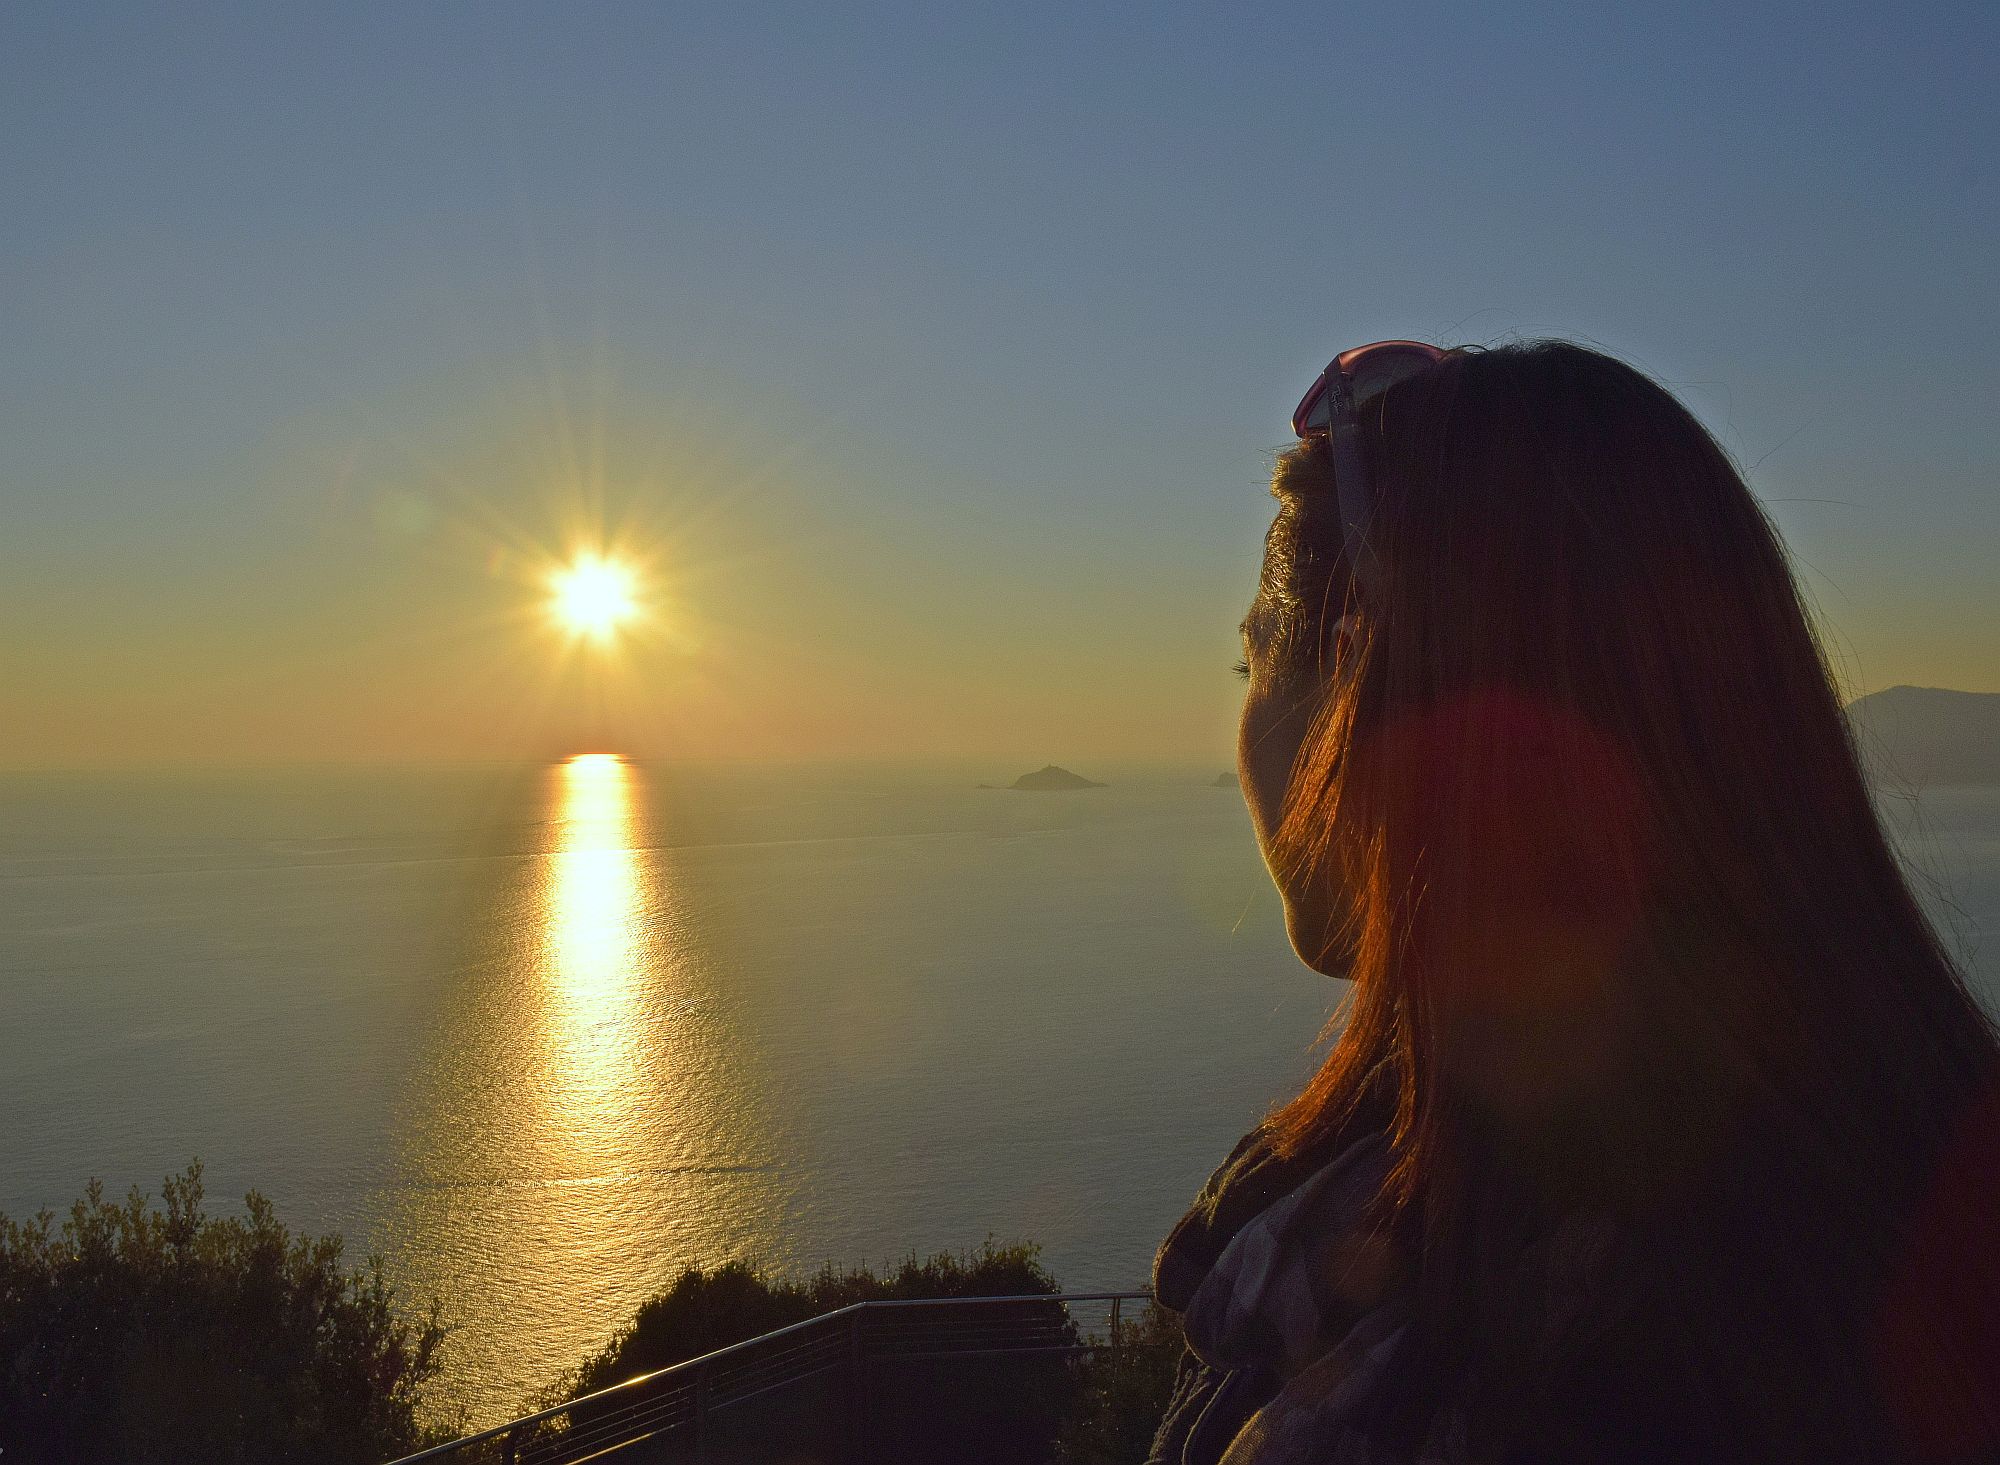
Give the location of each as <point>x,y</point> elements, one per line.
<point>1263,622</point>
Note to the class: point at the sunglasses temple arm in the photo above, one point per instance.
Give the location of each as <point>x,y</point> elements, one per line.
<point>1350,483</point>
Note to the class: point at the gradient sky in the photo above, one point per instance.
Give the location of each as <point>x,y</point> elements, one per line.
<point>932,353</point>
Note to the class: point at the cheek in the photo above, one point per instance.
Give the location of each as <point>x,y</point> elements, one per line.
<point>1267,743</point>
<point>1267,746</point>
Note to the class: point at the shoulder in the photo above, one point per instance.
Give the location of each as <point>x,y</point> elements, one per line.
<point>1255,1177</point>
<point>1198,1238</point>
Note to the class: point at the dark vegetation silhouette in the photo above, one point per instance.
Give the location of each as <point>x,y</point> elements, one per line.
<point>966,1409</point>
<point>156,1333</point>
<point>1120,1395</point>
<point>144,1332</point>
<point>707,1309</point>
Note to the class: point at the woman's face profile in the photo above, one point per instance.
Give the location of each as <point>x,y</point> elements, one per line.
<point>1278,711</point>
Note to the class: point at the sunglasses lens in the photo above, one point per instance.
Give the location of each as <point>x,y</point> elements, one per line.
<point>1375,373</point>
<point>1315,411</point>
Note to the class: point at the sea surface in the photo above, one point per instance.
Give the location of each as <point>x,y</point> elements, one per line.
<point>544,1037</point>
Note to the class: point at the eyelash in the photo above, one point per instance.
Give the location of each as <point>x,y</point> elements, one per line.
<point>1242,669</point>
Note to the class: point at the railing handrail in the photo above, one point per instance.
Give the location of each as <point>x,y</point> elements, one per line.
<point>701,1360</point>
<point>951,1301</point>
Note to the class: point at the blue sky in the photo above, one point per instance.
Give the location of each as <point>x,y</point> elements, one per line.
<point>956,338</point>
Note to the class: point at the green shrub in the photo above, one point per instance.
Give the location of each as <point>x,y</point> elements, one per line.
<point>1122,1390</point>
<point>707,1310</point>
<point>147,1333</point>
<point>963,1410</point>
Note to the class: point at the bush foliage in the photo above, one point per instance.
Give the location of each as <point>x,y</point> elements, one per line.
<point>965,1409</point>
<point>1096,1408</point>
<point>707,1310</point>
<point>158,1333</point>
<point>1122,1391</point>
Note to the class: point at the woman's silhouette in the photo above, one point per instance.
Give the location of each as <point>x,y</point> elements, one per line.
<point>1660,1125</point>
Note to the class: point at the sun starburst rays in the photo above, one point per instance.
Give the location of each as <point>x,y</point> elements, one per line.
<point>594,596</point>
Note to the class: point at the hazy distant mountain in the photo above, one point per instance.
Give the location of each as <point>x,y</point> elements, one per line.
<point>1051,780</point>
<point>1226,780</point>
<point>1927,735</point>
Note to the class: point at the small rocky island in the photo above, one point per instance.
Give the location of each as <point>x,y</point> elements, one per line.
<point>1226,780</point>
<point>1049,780</point>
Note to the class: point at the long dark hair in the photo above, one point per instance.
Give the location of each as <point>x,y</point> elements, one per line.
<point>1627,941</point>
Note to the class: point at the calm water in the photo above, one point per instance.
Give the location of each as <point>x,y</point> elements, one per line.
<point>542,1039</point>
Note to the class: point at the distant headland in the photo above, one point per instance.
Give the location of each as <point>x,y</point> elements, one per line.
<point>1048,780</point>
<point>1928,735</point>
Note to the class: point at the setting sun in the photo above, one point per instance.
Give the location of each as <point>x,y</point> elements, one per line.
<point>593,596</point>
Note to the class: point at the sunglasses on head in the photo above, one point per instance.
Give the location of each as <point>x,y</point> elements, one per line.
<point>1332,406</point>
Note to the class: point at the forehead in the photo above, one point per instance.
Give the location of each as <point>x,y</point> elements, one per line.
<point>1303,568</point>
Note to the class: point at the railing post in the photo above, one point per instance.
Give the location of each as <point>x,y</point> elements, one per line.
<point>701,1414</point>
<point>511,1451</point>
<point>1114,1336</point>
<point>857,1402</point>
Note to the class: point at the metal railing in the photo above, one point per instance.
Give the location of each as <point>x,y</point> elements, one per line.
<point>827,1382</point>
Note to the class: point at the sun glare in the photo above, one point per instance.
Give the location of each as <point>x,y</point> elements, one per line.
<point>593,596</point>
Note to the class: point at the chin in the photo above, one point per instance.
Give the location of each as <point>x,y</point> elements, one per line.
<point>1311,946</point>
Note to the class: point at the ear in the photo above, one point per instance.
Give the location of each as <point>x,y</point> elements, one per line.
<point>1341,634</point>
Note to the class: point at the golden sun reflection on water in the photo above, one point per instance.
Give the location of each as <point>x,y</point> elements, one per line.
<point>592,1075</point>
<point>590,1120</point>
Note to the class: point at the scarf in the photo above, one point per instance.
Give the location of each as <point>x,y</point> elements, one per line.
<point>1298,1312</point>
